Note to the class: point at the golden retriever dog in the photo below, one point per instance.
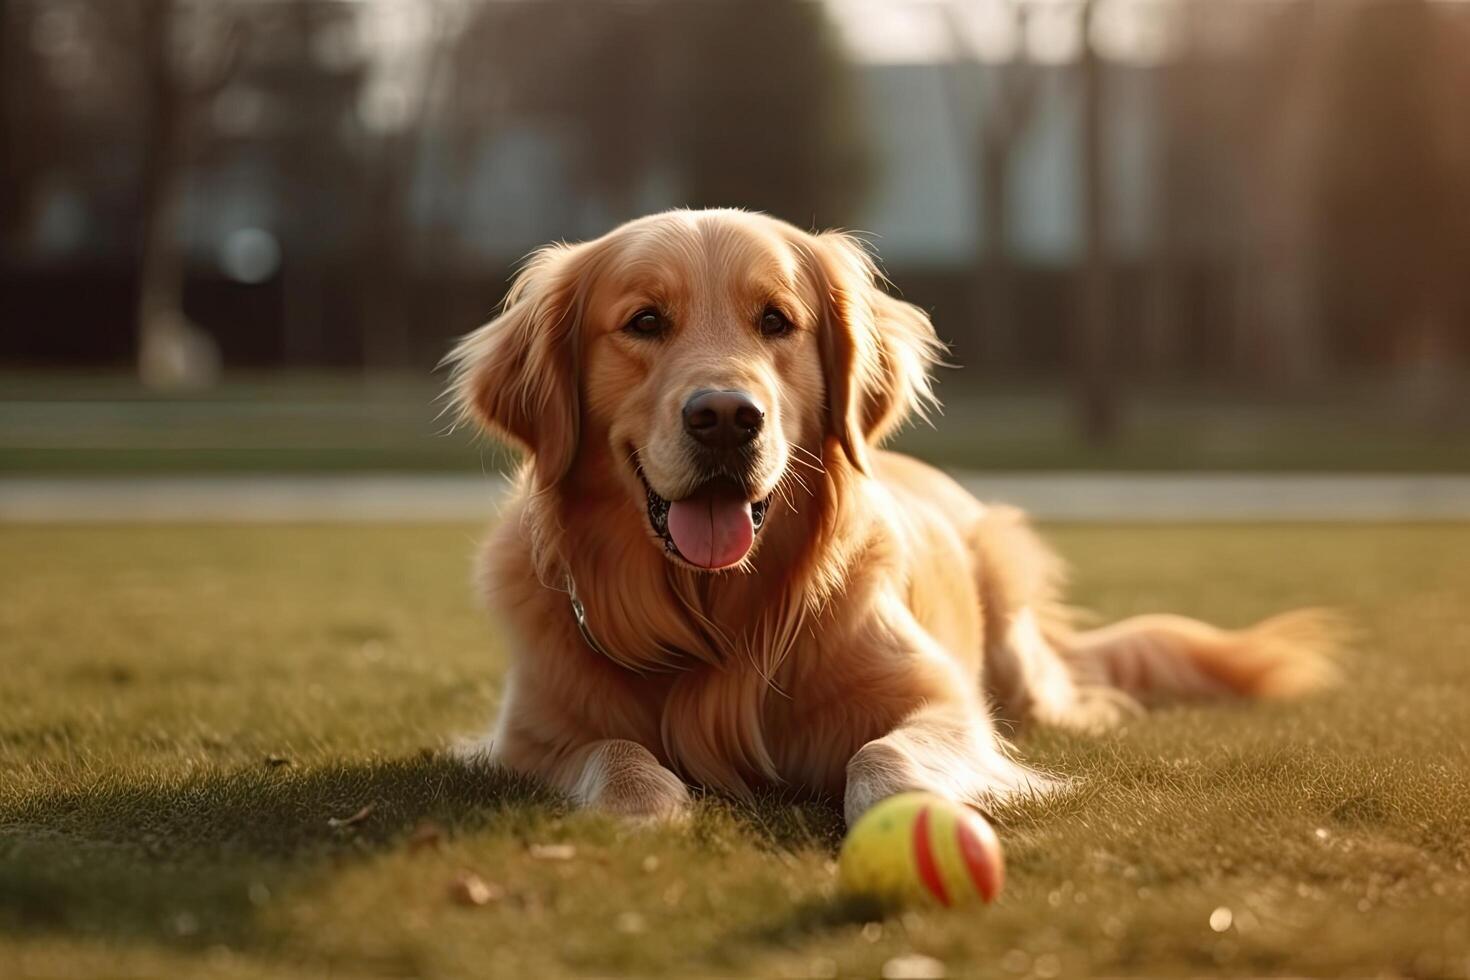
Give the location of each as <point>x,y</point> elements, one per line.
<point>713,576</point>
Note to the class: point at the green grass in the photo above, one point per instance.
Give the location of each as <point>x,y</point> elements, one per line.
<point>77,424</point>
<point>149,674</point>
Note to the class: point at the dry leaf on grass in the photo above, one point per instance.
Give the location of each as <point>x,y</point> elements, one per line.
<point>468,888</point>
<point>553,852</point>
<point>426,834</point>
<point>356,818</point>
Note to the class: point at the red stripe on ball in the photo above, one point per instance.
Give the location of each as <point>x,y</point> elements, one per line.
<point>981,861</point>
<point>924,858</point>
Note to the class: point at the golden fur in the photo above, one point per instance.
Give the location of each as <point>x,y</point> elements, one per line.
<point>883,622</point>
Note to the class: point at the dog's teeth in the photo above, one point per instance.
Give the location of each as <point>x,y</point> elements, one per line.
<point>658,512</point>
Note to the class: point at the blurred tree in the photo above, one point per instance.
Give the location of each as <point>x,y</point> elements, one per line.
<point>1161,325</point>
<point>395,114</point>
<point>588,82</point>
<point>1395,193</point>
<point>742,104</point>
<point>764,115</point>
<point>1279,330</point>
<point>67,102</point>
<point>29,119</point>
<point>1092,351</point>
<point>187,54</point>
<point>996,125</point>
<point>308,72</point>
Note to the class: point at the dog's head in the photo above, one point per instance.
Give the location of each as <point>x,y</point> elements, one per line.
<point>700,363</point>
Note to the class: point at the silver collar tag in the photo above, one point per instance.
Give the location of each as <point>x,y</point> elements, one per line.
<point>579,612</point>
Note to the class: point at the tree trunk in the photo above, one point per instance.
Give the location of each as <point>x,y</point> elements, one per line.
<point>172,352</point>
<point>994,127</point>
<point>391,241</point>
<point>1159,340</point>
<point>1097,399</point>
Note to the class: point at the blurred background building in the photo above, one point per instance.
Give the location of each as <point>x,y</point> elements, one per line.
<point>1100,199</point>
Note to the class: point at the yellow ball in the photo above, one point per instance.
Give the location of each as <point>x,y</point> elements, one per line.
<point>918,848</point>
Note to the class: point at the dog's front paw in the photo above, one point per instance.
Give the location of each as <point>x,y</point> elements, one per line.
<point>624,778</point>
<point>877,771</point>
<point>1090,710</point>
<point>943,754</point>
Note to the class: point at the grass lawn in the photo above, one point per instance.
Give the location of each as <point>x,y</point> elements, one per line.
<point>219,756</point>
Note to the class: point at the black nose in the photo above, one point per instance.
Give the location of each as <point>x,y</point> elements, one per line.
<point>723,419</point>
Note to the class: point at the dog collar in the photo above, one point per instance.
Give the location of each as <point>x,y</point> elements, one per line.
<point>579,613</point>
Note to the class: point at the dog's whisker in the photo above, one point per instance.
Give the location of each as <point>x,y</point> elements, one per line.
<point>780,491</point>
<point>793,475</point>
<point>814,457</point>
<point>790,501</point>
<point>635,453</point>
<point>816,463</point>
<point>784,488</point>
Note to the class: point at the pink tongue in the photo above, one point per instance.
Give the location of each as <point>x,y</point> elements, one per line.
<point>711,530</point>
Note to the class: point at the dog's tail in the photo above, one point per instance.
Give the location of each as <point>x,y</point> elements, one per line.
<point>1160,659</point>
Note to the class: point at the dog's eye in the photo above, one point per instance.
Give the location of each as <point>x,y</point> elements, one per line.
<point>774,324</point>
<point>646,323</point>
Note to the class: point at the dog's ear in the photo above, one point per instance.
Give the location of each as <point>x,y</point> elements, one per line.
<point>517,375</point>
<point>876,350</point>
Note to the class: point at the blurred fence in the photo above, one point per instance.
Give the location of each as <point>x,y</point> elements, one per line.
<point>1275,191</point>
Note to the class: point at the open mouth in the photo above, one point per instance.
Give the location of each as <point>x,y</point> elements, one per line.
<point>713,527</point>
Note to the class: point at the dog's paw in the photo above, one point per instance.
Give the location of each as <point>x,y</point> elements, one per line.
<point>472,750</point>
<point>1091,710</point>
<point>877,771</point>
<point>623,778</point>
<point>963,764</point>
